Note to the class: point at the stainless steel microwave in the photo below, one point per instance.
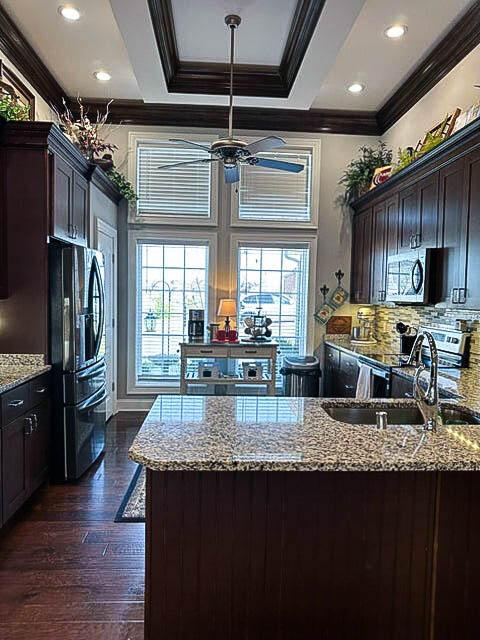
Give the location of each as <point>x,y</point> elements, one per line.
<point>408,277</point>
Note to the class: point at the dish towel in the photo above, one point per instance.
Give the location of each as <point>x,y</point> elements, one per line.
<point>364,383</point>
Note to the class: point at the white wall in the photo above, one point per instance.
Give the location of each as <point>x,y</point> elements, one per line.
<point>42,109</point>
<point>455,90</point>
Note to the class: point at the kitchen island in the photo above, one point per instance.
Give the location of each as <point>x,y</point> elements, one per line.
<point>267,518</point>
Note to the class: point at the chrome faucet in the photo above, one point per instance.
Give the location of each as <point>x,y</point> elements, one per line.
<point>427,400</point>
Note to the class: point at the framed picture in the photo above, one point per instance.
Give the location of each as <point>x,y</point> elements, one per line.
<point>11,83</point>
<point>381,175</point>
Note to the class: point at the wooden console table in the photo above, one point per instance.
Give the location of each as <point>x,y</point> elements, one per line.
<point>233,350</point>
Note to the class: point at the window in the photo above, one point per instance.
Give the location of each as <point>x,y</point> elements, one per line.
<point>185,194</point>
<point>288,199</point>
<point>276,278</point>
<point>171,278</point>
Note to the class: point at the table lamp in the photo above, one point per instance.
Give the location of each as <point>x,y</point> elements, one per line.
<point>227,307</point>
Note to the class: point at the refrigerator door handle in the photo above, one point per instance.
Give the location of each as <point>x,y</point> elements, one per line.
<point>95,280</point>
<point>92,402</point>
<point>92,373</point>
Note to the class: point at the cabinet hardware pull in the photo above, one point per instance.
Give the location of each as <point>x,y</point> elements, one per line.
<point>35,421</point>
<point>41,390</point>
<point>16,403</point>
<point>29,425</point>
<point>349,387</point>
<point>250,351</point>
<point>407,394</point>
<point>206,351</point>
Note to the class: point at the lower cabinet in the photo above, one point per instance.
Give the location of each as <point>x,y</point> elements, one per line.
<point>340,375</point>
<point>401,387</point>
<point>25,446</point>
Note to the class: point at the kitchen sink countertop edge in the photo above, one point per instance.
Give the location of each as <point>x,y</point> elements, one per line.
<point>292,434</point>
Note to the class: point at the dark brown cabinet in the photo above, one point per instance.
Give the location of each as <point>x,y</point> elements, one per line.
<point>70,203</point>
<point>25,443</point>
<point>408,234</point>
<point>401,387</point>
<point>379,253</point>
<point>340,374</point>
<point>361,256</point>
<point>433,204</point>
<point>453,220</point>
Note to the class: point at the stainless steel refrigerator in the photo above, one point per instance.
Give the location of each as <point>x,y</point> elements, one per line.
<point>77,306</point>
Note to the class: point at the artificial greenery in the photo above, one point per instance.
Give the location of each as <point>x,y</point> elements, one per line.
<point>431,141</point>
<point>357,177</point>
<point>12,109</point>
<point>124,186</point>
<point>404,158</point>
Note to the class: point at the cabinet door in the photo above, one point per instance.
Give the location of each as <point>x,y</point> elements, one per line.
<point>472,213</point>
<point>14,465</point>
<point>391,207</point>
<point>408,218</point>
<point>63,176</point>
<point>401,387</point>
<point>347,380</point>
<point>379,253</point>
<point>361,257</point>
<point>331,371</point>
<point>80,209</point>
<point>38,446</point>
<point>454,231</point>
<point>428,212</point>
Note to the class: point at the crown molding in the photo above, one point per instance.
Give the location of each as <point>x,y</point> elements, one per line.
<point>137,112</point>
<point>250,80</point>
<point>22,55</point>
<point>462,38</point>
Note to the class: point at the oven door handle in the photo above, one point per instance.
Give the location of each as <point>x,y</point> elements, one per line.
<point>376,371</point>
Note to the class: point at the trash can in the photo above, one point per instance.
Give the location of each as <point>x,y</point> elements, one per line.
<point>301,376</point>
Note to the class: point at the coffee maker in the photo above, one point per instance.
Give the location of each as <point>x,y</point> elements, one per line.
<point>196,325</point>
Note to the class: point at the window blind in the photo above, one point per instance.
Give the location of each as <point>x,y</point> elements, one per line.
<point>269,194</point>
<point>183,191</point>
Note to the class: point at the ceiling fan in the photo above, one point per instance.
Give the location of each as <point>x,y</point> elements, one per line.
<point>230,151</point>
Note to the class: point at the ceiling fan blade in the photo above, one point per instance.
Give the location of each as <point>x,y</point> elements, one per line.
<point>188,143</point>
<point>264,144</point>
<point>231,173</point>
<point>293,167</point>
<point>180,164</point>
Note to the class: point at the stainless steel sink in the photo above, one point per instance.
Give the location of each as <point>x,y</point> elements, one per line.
<point>396,415</point>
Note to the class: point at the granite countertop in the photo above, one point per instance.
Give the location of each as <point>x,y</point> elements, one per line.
<point>228,433</point>
<point>18,368</point>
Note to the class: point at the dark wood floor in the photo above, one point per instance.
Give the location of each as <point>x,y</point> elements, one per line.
<point>67,571</point>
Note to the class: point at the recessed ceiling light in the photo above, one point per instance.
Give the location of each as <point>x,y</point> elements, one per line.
<point>396,31</point>
<point>102,76</point>
<point>69,13</point>
<point>356,87</point>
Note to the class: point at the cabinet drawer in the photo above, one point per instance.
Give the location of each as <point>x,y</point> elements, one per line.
<point>206,352</point>
<point>39,389</point>
<point>249,352</point>
<point>15,402</point>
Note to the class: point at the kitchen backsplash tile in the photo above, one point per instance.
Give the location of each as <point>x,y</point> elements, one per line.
<point>387,317</point>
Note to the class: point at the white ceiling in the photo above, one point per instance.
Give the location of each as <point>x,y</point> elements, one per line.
<point>348,45</point>
<point>370,58</point>
<point>261,36</point>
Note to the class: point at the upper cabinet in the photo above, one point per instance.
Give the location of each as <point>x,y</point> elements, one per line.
<point>433,204</point>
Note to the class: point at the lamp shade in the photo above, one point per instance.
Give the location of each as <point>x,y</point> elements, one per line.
<point>227,307</point>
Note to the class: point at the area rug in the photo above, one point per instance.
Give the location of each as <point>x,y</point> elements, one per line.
<point>132,508</point>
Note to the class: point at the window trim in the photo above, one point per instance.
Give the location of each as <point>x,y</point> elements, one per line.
<point>155,138</point>
<point>292,144</point>
<point>172,237</point>
<point>279,241</point>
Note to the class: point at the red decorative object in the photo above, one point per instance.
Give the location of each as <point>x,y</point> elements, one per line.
<point>221,335</point>
<point>233,335</point>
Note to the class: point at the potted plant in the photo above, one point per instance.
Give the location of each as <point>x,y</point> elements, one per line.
<point>11,107</point>
<point>357,177</point>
